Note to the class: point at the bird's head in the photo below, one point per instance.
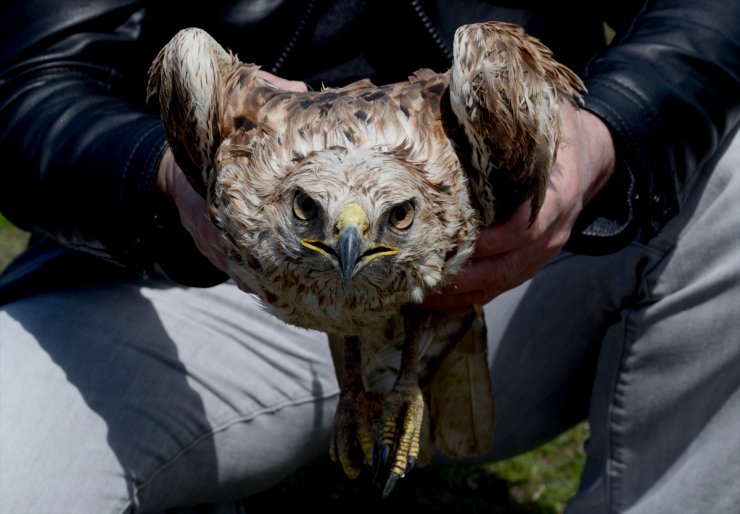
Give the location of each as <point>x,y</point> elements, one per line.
<point>349,246</point>
<point>347,232</point>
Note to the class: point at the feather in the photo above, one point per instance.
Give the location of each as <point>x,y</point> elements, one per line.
<point>505,91</point>
<point>416,168</point>
<point>463,379</point>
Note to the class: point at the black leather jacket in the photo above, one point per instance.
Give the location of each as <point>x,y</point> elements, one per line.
<point>80,148</point>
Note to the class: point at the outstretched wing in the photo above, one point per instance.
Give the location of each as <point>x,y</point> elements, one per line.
<point>187,78</point>
<point>505,91</point>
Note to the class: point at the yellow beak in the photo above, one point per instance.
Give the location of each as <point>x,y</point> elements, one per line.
<point>349,249</point>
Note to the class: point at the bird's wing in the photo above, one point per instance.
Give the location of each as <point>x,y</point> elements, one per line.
<point>504,90</point>
<point>187,79</point>
<point>205,94</point>
<point>458,391</point>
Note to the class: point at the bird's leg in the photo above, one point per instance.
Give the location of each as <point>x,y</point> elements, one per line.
<point>352,444</point>
<point>403,410</point>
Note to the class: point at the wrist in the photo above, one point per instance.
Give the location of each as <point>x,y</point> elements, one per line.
<point>166,174</point>
<point>602,153</point>
<point>610,212</point>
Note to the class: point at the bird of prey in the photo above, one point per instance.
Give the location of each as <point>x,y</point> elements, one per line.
<point>341,209</point>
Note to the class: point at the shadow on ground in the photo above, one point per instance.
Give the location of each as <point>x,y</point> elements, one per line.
<point>437,489</point>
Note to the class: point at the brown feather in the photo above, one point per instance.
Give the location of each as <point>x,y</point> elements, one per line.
<point>505,91</point>
<point>251,148</point>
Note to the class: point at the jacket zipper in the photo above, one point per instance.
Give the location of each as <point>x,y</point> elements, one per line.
<point>424,17</point>
<point>294,38</point>
<point>418,9</point>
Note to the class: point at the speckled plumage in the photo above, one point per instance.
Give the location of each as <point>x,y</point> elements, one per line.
<point>342,208</point>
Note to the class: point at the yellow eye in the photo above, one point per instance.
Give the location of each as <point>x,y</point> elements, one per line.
<point>304,208</point>
<point>402,215</point>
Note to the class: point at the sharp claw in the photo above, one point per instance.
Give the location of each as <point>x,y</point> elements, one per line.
<point>410,464</point>
<point>390,484</point>
<point>385,452</point>
<point>377,461</point>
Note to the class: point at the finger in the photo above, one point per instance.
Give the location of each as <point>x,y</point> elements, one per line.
<point>457,303</point>
<point>484,279</point>
<point>477,284</point>
<point>498,272</point>
<point>504,237</point>
<point>194,217</point>
<point>289,85</point>
<point>208,241</point>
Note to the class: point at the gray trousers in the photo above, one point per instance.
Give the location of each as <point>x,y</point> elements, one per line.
<point>139,396</point>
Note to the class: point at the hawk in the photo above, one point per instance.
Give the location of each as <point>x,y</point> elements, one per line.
<point>341,209</point>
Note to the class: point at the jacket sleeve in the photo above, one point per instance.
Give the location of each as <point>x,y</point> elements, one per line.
<point>80,149</point>
<point>669,88</point>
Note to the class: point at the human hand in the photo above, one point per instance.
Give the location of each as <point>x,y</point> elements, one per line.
<point>193,210</point>
<point>290,85</point>
<point>192,207</point>
<point>510,253</point>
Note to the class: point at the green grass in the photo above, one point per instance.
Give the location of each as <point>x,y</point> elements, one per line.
<point>12,241</point>
<point>548,475</point>
<point>537,482</point>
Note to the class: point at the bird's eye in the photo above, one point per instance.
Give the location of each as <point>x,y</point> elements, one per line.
<point>304,208</point>
<point>402,215</point>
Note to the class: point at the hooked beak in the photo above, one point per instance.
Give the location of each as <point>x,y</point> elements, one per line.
<point>350,247</point>
<point>351,250</point>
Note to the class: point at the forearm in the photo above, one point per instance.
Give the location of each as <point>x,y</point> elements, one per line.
<point>85,149</point>
<point>85,165</point>
<point>669,88</point>
<point>86,174</point>
<point>84,156</point>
